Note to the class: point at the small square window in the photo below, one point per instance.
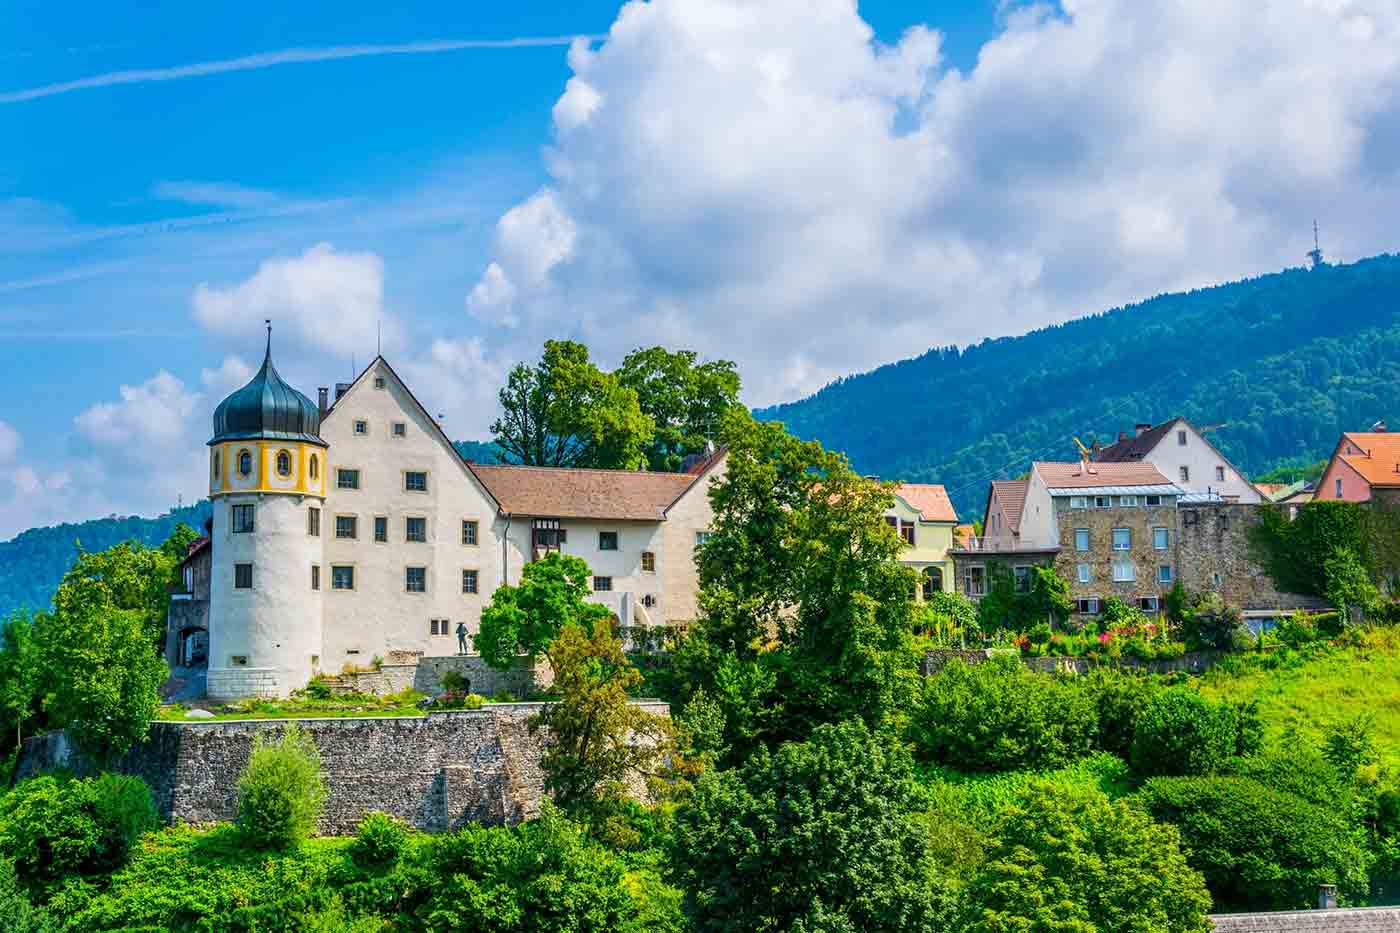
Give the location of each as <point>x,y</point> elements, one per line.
<point>469,531</point>
<point>400,429</point>
<point>1181,438</point>
<point>416,579</point>
<point>1083,571</point>
<point>1147,603</point>
<point>1164,573</point>
<point>469,581</point>
<point>242,576</point>
<point>1078,502</point>
<point>313,521</point>
<point>315,577</point>
<point>602,584</point>
<point>1023,579</point>
<point>607,541</point>
<point>381,529</point>
<point>1081,539</point>
<point>1153,500</point>
<point>1122,539</point>
<point>1124,571</point>
<point>416,530</point>
<point>649,600</point>
<point>1220,474</point>
<point>379,382</point>
<point>347,479</point>
<point>701,537</point>
<point>347,526</point>
<point>242,519</point>
<point>415,481</point>
<point>239,660</point>
<point>1161,537</point>
<point>1128,501</point>
<point>1088,606</point>
<point>648,562</point>
<point>342,577</point>
<point>1103,502</point>
<point>361,427</point>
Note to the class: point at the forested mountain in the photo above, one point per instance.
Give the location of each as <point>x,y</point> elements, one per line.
<point>32,563</point>
<point>1285,361</point>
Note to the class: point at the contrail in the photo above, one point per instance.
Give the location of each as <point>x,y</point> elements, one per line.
<point>283,57</point>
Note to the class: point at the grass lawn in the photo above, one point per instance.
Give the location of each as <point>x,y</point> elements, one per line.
<point>301,707</point>
<point>1308,690</point>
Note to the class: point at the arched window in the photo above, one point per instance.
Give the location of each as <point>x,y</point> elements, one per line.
<point>284,463</point>
<point>245,463</point>
<point>216,464</point>
<point>314,466</point>
<point>933,581</point>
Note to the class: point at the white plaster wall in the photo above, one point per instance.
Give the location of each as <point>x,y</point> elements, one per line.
<point>1201,459</point>
<point>691,513</point>
<point>276,625</point>
<point>379,614</point>
<point>1038,527</point>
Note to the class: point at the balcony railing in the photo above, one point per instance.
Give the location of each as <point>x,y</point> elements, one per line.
<point>998,544</point>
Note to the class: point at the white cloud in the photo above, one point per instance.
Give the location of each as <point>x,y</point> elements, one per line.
<point>458,379</point>
<point>233,373</point>
<point>214,193</point>
<point>767,182</point>
<point>326,300</point>
<point>9,442</point>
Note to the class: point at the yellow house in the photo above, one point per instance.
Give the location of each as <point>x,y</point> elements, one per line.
<point>924,517</point>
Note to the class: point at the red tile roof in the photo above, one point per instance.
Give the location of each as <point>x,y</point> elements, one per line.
<point>1080,475</point>
<point>930,499</point>
<point>557,492</point>
<point>1011,493</point>
<point>1377,456</point>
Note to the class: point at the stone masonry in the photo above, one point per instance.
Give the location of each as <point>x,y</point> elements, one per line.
<point>425,676</point>
<point>1101,557</point>
<point>1212,553</point>
<point>437,772</point>
<point>1344,920</point>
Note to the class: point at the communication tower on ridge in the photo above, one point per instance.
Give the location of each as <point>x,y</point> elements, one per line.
<point>1315,254</point>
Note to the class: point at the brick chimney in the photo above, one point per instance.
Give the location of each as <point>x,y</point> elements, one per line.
<point>1141,428</point>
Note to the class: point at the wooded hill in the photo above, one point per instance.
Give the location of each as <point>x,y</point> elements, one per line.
<point>1284,361</point>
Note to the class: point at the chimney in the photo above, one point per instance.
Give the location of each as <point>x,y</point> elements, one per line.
<point>1327,897</point>
<point>1142,427</point>
<point>340,389</point>
<point>1379,427</point>
<point>1122,436</point>
<point>323,399</point>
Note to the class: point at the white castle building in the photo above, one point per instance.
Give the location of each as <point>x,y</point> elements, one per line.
<point>353,528</point>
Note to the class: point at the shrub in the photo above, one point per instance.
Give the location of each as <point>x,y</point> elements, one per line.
<point>1212,625</point>
<point>280,792</point>
<point>380,841</point>
<point>1078,861</point>
<point>17,914</point>
<point>1351,744</point>
<point>1119,699</point>
<point>52,828</point>
<point>454,682</point>
<point>1258,847</point>
<point>998,716</point>
<point>1181,732</point>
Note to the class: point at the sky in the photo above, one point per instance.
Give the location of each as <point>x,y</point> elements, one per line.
<point>808,187</point>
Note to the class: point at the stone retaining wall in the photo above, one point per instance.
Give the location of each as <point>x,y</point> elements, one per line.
<point>425,676</point>
<point>1193,662</point>
<point>437,772</point>
<point>1353,920</point>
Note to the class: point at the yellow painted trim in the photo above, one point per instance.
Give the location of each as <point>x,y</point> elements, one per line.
<point>264,478</point>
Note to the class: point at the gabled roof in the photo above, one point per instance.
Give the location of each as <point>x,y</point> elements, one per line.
<point>1011,493</point>
<point>1377,457</point>
<point>1081,475</point>
<point>929,499</point>
<point>563,492</point>
<point>1135,448</point>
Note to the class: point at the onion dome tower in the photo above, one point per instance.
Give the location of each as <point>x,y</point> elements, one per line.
<point>267,482</point>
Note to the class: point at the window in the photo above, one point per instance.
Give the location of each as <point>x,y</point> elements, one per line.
<point>347,526</point>
<point>1147,603</point>
<point>1224,522</point>
<point>1088,606</point>
<point>906,531</point>
<point>342,577</point>
<point>242,576</point>
<point>469,529</point>
<point>1078,502</point>
<point>381,529</point>
<point>1083,570</point>
<point>649,600</point>
<point>1127,501</point>
<point>245,463</point>
<point>239,660</point>
<point>313,521</point>
<point>1160,539</point>
<point>1339,487</point>
<point>702,536</point>
<point>1181,438</point>
<point>400,429</point>
<point>416,530</point>
<point>284,463</point>
<point>1185,473</point>
<point>379,382</point>
<point>216,465</point>
<point>1164,573</point>
<point>975,581</point>
<point>440,626</point>
<point>313,466</point>
<point>1220,474</point>
<point>347,479</point>
<point>1023,579</point>
<point>1124,571</point>
<point>469,581</point>
<point>315,576</point>
<point>1081,539</point>
<point>1122,539</point>
<point>1215,579</point>
<point>933,581</point>
<point>1153,500</point>
<point>602,584</point>
<point>648,562</point>
<point>242,522</point>
<point>548,534</point>
<point>1189,516</point>
<point>1103,502</point>
<point>415,481</point>
<point>415,579</point>
<point>361,427</point>
<point>607,541</point>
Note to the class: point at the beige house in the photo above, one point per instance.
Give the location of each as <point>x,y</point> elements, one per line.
<point>1181,452</point>
<point>924,517</point>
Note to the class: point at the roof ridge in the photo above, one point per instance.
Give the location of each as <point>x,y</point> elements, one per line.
<point>604,470</point>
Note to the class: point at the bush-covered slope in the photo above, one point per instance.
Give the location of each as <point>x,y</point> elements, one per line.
<point>1286,361</point>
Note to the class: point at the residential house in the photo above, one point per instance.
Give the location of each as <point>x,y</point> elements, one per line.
<point>1181,453</point>
<point>1000,547</point>
<point>1365,465</point>
<point>924,517</point>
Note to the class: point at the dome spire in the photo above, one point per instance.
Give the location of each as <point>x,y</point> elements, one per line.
<point>267,407</point>
<point>268,354</point>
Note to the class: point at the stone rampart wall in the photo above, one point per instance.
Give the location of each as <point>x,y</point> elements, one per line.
<point>1353,920</point>
<point>425,676</point>
<point>1213,556</point>
<point>437,772</point>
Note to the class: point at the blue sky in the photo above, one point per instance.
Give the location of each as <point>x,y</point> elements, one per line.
<point>807,188</point>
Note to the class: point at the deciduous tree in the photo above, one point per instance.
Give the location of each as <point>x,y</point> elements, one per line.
<point>685,400</point>
<point>526,619</point>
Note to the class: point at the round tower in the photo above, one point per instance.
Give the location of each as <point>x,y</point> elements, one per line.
<point>267,483</point>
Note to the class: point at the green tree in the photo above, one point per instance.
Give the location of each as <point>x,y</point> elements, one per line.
<point>822,834</point>
<point>1181,732</point>
<point>565,411</point>
<point>1348,584</point>
<point>281,792</point>
<point>1076,861</point>
<point>19,677</point>
<point>686,401</point>
<point>526,619</point>
<point>1295,552</point>
<point>598,739</point>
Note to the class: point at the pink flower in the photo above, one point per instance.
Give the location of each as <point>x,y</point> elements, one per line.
<point>1105,638</point>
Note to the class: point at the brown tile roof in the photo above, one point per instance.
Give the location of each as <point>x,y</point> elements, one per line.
<point>557,492</point>
<point>1377,458</point>
<point>1271,489</point>
<point>1074,475</point>
<point>1135,448</point>
<point>930,499</point>
<point>1011,493</point>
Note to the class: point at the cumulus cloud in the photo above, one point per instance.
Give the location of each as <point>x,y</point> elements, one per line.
<point>768,182</point>
<point>458,379</point>
<point>326,300</point>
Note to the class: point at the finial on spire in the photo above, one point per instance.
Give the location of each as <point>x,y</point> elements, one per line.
<point>268,321</point>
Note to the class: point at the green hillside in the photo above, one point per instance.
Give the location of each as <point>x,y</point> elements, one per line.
<point>1285,361</point>
<point>32,563</point>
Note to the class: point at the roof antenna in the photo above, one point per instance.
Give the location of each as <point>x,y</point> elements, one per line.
<point>379,337</point>
<point>1315,254</point>
<point>354,370</point>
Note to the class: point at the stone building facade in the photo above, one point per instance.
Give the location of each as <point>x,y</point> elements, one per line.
<point>1213,556</point>
<point>1122,551</point>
